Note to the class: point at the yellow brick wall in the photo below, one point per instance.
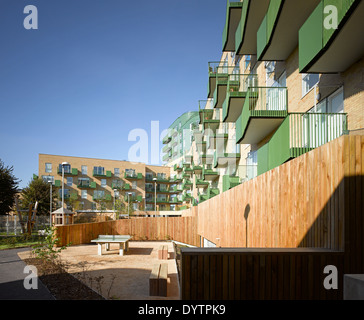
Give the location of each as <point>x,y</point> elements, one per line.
<point>109,165</point>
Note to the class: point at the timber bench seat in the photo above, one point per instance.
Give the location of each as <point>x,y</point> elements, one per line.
<point>163,252</point>
<point>122,240</point>
<point>158,280</point>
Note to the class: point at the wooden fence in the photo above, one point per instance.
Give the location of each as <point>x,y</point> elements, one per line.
<point>299,204</point>
<point>182,229</point>
<point>313,204</point>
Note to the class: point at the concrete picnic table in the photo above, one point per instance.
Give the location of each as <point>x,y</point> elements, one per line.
<point>122,240</point>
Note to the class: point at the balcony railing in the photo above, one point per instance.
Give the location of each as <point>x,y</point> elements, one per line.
<point>263,103</point>
<point>300,133</point>
<point>133,175</point>
<point>86,185</point>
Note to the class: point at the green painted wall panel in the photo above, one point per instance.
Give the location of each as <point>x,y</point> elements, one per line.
<point>263,159</point>
<point>262,37</point>
<point>310,37</point>
<point>239,34</point>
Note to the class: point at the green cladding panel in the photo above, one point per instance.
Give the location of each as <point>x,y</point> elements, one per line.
<point>239,34</point>
<point>310,36</point>
<point>314,38</point>
<point>266,29</point>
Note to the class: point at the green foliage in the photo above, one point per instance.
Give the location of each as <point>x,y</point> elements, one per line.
<point>122,208</point>
<point>47,248</point>
<point>39,190</point>
<point>8,188</point>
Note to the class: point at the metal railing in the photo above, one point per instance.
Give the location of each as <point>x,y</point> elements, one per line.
<point>312,130</point>
<point>268,98</point>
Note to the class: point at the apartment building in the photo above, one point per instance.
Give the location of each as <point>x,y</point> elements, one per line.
<point>94,184</point>
<point>288,81</point>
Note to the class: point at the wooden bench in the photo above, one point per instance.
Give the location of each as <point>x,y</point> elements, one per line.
<point>122,240</point>
<point>163,252</point>
<point>158,280</point>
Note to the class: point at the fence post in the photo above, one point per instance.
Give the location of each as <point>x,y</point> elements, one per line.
<point>15,217</point>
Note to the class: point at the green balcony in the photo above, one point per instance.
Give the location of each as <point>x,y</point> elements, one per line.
<point>214,192</point>
<point>252,14</point>
<point>300,133</point>
<point>201,146</point>
<point>161,189</point>
<point>203,197</point>
<point>167,157</point>
<point>233,15</point>
<point>99,173</point>
<point>277,35</point>
<point>106,197</point>
<point>197,169</point>
<point>57,183</point>
<point>177,179</point>
<point>133,198</point>
<point>68,172</point>
<point>188,171</point>
<point>229,182</point>
<point>187,197</point>
<point>178,168</point>
<point>167,139</point>
<point>220,90</point>
<point>263,112</point>
<point>174,200</point>
<point>200,183</point>
<point>223,160</point>
<point>205,114</point>
<point>206,158</point>
<point>126,187</point>
<point>217,70</point>
<point>187,185</point>
<point>210,174</point>
<point>329,50</point>
<point>218,139</point>
<point>167,148</point>
<point>236,96</point>
<point>130,175</point>
<point>86,185</point>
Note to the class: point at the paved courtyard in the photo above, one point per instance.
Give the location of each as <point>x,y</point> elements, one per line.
<point>121,277</point>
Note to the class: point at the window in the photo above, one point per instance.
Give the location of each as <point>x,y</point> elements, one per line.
<point>84,170</point>
<point>103,183</point>
<point>99,171</point>
<point>134,185</point>
<point>99,194</point>
<point>66,193</point>
<point>332,104</point>
<point>83,182</point>
<point>69,181</point>
<point>67,168</point>
<point>93,206</point>
<point>135,206</point>
<point>48,167</point>
<point>149,176</point>
<point>84,194</point>
<point>117,172</point>
<point>48,179</point>
<point>309,80</point>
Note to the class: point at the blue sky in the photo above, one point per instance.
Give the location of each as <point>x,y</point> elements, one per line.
<point>97,69</point>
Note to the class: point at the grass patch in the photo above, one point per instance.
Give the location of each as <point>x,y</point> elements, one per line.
<point>18,241</point>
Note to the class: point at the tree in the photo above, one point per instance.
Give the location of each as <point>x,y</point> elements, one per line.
<point>8,188</point>
<point>39,190</point>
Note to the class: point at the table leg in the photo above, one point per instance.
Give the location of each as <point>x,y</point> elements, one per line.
<point>107,246</point>
<point>99,249</point>
<point>121,249</point>
<point>126,246</point>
